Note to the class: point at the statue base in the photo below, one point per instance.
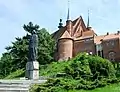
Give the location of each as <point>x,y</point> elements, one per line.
<point>32,70</point>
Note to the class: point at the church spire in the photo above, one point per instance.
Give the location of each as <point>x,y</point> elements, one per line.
<point>68,15</point>
<point>88,20</point>
<point>69,22</point>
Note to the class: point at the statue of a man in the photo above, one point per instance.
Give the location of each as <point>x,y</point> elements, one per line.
<point>33,45</point>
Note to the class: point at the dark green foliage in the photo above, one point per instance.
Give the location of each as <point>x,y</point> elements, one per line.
<point>46,47</point>
<point>90,67</point>
<point>117,67</point>
<point>83,72</point>
<point>16,56</point>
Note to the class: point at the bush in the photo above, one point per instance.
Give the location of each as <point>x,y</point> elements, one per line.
<point>88,67</point>
<point>82,72</point>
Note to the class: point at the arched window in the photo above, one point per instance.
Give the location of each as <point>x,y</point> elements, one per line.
<point>112,56</point>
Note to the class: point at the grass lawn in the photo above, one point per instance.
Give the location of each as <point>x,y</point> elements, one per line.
<point>53,68</point>
<point>109,88</point>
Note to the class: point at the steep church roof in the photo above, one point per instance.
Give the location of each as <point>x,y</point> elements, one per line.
<point>78,29</point>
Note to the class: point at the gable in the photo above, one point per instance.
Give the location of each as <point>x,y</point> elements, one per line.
<point>79,27</point>
<point>65,35</point>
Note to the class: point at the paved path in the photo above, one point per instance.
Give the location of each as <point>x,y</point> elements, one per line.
<point>17,85</point>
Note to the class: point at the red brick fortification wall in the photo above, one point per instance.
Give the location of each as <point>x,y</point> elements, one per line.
<point>84,45</point>
<point>109,46</point>
<point>65,49</point>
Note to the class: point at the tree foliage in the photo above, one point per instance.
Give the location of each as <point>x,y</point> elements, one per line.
<point>16,56</point>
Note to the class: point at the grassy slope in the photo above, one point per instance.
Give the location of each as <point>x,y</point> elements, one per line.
<point>109,88</point>
<point>47,70</point>
<point>16,75</point>
<point>53,68</point>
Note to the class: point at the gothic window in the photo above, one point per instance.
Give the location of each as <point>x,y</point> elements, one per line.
<point>112,56</point>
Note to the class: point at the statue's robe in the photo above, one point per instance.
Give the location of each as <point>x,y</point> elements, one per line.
<point>33,47</point>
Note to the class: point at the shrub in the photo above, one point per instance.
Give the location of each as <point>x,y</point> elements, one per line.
<point>83,72</point>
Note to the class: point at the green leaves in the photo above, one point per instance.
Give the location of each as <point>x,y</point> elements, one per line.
<point>17,54</point>
<point>46,47</point>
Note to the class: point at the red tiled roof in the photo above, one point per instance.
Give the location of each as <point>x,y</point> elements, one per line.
<point>98,39</point>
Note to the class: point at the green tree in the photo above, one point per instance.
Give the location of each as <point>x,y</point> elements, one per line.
<point>16,56</point>
<point>46,47</point>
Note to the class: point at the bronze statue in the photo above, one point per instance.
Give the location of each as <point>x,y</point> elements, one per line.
<point>33,45</point>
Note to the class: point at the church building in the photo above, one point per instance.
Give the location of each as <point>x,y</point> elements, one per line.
<point>76,37</point>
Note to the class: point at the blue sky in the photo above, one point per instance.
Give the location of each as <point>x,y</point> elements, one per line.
<point>104,16</point>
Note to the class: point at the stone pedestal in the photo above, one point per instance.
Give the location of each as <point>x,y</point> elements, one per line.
<point>32,70</point>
